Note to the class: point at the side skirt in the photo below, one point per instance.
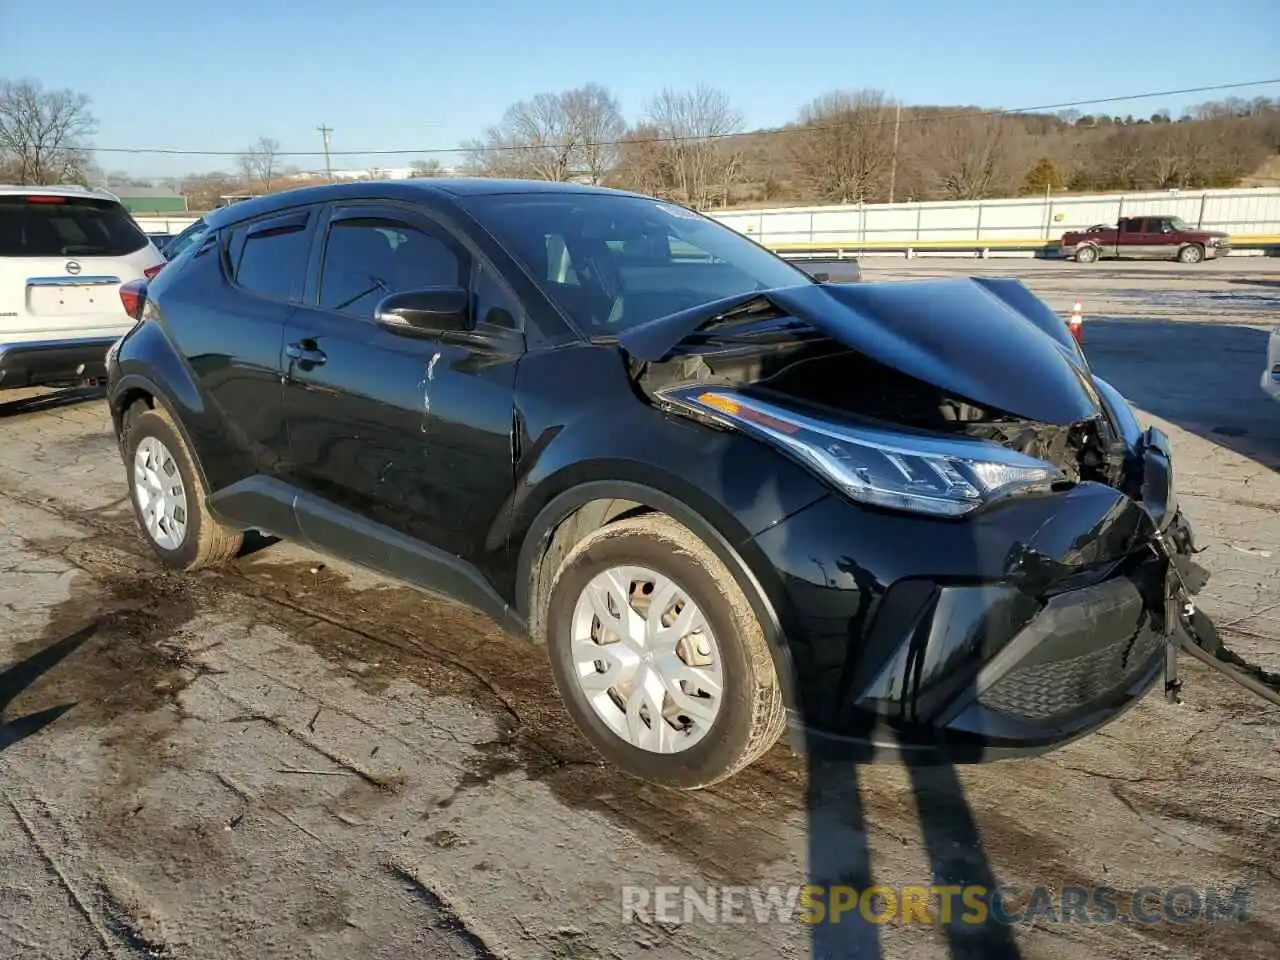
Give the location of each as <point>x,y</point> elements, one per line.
<point>277,508</point>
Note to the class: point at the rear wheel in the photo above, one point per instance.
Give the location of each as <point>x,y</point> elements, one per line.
<point>1086,254</point>
<point>1191,253</point>
<point>659,656</point>
<point>168,495</point>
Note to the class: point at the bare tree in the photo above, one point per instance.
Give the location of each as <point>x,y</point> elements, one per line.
<point>972,156</point>
<point>426,168</point>
<point>552,136</point>
<point>595,119</point>
<point>1121,160</point>
<point>846,149</point>
<point>689,146</point>
<point>644,165</point>
<point>204,190</point>
<point>692,123</point>
<point>259,161</point>
<point>43,132</point>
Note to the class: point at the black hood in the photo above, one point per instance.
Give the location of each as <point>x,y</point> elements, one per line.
<point>990,342</point>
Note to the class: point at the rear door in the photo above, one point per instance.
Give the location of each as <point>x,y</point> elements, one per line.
<point>62,260</point>
<point>226,312</point>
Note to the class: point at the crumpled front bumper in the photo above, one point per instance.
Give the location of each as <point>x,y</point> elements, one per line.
<point>1009,634</point>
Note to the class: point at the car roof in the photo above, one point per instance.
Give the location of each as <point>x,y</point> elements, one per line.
<point>449,188</point>
<point>73,190</point>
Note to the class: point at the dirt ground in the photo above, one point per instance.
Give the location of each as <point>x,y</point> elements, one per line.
<point>291,758</point>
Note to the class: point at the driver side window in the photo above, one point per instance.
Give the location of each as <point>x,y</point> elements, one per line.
<point>368,258</point>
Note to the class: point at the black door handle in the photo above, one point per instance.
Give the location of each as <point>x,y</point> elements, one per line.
<point>305,351</point>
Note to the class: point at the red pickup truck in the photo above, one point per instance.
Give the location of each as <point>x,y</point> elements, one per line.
<point>1145,238</point>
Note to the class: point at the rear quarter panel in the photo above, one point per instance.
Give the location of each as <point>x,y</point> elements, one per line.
<point>205,362</point>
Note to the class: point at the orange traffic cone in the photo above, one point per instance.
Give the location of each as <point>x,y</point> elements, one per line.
<point>1075,323</point>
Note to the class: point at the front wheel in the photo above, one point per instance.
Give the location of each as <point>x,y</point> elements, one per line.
<point>1086,254</point>
<point>1191,253</point>
<point>659,657</point>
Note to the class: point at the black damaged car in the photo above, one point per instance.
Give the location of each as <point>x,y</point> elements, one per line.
<point>725,495</point>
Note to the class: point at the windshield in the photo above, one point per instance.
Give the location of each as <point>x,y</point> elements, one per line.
<point>60,226</point>
<point>1178,223</point>
<point>612,262</point>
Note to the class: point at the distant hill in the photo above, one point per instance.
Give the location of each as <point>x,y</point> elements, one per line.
<point>844,147</point>
<point>844,153</point>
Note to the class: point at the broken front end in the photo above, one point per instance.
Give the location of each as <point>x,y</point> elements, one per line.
<point>1001,560</point>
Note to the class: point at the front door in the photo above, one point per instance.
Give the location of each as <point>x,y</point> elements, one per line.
<point>395,435</point>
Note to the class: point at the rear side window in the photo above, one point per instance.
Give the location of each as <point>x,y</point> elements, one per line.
<point>269,258</point>
<point>56,226</point>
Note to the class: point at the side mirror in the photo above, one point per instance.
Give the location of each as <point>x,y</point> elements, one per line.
<point>822,277</point>
<point>424,312</point>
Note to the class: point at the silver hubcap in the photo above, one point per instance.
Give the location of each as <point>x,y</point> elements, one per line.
<point>162,499</point>
<point>646,659</point>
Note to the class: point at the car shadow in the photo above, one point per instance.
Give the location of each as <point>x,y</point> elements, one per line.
<point>254,542</point>
<point>1203,377</point>
<point>24,674</point>
<point>836,599</point>
<point>51,400</point>
<point>839,854</point>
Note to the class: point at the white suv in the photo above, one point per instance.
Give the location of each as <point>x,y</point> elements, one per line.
<point>64,253</point>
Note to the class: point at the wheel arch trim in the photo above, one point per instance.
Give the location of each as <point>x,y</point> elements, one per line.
<point>135,382</point>
<point>538,539</point>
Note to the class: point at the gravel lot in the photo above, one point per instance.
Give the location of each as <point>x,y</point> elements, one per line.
<point>290,758</point>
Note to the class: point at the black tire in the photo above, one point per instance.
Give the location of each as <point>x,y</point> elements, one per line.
<point>751,716</point>
<point>207,542</point>
<point>1191,253</point>
<point>1086,254</point>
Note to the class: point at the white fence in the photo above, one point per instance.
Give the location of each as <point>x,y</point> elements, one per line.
<point>169,225</point>
<point>1249,215</point>
<point>1025,221</point>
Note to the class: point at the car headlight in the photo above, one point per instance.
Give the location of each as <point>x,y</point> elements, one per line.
<point>940,476</point>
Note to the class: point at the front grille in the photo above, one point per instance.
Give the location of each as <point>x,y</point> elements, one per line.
<point>1055,688</point>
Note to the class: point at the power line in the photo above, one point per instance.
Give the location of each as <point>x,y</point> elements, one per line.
<point>511,148</point>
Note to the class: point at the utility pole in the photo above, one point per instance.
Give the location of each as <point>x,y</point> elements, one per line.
<point>893,164</point>
<point>325,130</point>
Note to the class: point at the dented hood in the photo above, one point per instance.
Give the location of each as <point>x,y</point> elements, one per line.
<point>990,342</point>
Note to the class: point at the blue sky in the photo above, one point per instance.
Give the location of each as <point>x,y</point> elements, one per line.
<point>430,73</point>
